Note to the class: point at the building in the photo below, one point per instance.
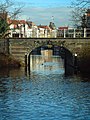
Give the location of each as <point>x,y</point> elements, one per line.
<point>69,32</point>
<point>44,31</point>
<point>62,31</point>
<point>17,28</point>
<point>32,30</point>
<point>52,26</point>
<point>27,29</point>
<point>53,30</point>
<point>22,29</point>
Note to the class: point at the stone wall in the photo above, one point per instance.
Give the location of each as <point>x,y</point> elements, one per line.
<point>4,46</point>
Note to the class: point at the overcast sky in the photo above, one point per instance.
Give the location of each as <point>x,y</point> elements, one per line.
<point>41,11</point>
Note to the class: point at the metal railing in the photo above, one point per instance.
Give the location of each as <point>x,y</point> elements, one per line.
<point>74,33</point>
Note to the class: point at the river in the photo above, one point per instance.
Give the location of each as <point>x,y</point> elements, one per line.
<point>43,92</point>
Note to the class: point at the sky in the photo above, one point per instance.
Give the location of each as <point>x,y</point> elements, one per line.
<point>45,11</point>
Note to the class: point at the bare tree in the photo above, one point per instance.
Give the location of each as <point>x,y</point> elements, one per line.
<point>79,9</point>
<point>7,8</point>
<point>81,3</point>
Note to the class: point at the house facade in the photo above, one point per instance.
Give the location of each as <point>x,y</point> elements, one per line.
<point>28,29</point>
<point>22,29</point>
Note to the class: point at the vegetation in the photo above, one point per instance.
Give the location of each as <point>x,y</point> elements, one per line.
<point>4,27</point>
<point>5,10</point>
<point>79,9</point>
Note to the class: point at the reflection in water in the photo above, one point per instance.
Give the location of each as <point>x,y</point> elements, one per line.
<point>46,65</point>
<point>45,94</point>
<point>12,72</point>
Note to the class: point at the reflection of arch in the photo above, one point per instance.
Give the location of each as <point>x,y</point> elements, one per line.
<point>64,53</point>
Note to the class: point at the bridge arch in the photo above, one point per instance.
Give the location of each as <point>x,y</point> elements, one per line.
<point>19,48</point>
<point>65,54</point>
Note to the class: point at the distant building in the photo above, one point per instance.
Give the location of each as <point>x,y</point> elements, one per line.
<point>32,29</point>
<point>74,32</point>
<point>44,31</point>
<point>22,29</point>
<point>17,28</point>
<point>69,32</point>
<point>54,31</point>
<point>52,26</point>
<point>62,31</point>
<point>28,29</point>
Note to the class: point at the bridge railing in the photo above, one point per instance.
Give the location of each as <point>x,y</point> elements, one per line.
<point>74,33</point>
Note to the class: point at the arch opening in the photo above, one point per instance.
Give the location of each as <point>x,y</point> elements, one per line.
<point>65,54</point>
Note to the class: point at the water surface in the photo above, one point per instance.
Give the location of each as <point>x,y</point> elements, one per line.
<point>43,93</point>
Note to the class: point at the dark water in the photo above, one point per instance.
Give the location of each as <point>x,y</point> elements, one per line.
<point>44,93</point>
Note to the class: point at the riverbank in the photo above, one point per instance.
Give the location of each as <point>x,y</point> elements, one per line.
<point>8,61</point>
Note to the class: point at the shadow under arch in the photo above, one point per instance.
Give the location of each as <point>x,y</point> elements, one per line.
<point>65,54</point>
<point>68,60</point>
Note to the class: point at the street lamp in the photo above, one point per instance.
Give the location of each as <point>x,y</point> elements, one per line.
<point>75,54</point>
<point>75,63</point>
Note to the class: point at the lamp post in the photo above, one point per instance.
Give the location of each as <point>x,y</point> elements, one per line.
<point>26,64</point>
<point>75,63</point>
<point>84,32</point>
<point>74,34</point>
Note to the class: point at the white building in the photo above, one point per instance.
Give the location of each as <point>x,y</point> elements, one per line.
<point>22,29</point>
<point>27,29</point>
<point>44,31</point>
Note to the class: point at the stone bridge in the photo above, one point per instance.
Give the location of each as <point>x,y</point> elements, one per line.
<point>21,48</point>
